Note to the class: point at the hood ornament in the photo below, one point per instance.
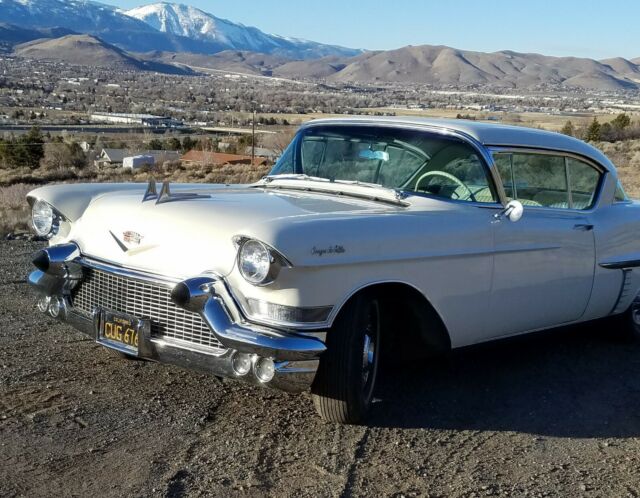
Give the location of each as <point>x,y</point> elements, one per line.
<point>151,192</point>
<point>166,195</point>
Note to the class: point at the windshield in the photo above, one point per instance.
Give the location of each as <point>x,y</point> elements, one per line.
<point>408,160</point>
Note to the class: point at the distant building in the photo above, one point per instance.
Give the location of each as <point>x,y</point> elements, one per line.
<point>135,162</point>
<point>135,119</point>
<point>116,157</point>
<point>198,158</point>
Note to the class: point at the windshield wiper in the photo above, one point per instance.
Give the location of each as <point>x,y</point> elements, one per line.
<point>295,176</point>
<point>398,193</point>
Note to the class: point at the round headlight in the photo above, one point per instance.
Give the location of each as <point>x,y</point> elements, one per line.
<point>254,261</point>
<point>42,217</point>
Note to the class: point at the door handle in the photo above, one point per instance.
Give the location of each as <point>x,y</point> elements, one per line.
<point>583,227</point>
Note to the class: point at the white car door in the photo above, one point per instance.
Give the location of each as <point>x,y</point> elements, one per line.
<point>544,263</point>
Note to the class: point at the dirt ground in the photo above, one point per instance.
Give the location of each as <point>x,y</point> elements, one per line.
<point>556,414</point>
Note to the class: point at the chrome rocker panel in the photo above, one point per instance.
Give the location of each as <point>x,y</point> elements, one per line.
<point>295,355</point>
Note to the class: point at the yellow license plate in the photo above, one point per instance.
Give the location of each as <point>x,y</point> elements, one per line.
<point>119,330</point>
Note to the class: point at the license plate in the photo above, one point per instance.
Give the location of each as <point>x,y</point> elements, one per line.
<point>119,331</point>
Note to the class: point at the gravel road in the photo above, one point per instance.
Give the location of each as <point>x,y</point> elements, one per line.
<point>546,415</point>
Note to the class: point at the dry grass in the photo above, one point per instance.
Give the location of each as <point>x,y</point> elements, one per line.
<point>626,156</point>
<point>14,210</point>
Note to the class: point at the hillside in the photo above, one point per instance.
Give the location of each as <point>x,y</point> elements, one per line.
<point>12,35</point>
<point>86,50</point>
<point>229,60</point>
<point>443,66</point>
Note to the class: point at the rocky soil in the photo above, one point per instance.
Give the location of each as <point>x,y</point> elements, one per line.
<point>557,414</point>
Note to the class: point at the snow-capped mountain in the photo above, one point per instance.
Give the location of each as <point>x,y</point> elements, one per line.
<point>77,15</point>
<point>195,24</point>
<point>82,16</point>
<point>164,26</point>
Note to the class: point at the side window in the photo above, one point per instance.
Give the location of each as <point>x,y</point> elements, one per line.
<point>544,180</point>
<point>584,181</point>
<point>620,195</point>
<point>540,180</point>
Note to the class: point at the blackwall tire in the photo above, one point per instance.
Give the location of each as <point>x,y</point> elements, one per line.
<point>627,325</point>
<point>345,383</point>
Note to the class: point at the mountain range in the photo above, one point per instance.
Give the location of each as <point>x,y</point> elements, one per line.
<point>439,66</point>
<point>160,26</point>
<point>178,39</point>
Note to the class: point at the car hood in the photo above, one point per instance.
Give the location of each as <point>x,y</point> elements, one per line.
<point>186,237</point>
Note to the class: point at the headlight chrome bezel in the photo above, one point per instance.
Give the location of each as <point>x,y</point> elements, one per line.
<point>275,259</point>
<point>53,225</point>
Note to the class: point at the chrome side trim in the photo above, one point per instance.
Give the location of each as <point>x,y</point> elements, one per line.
<point>625,296</point>
<point>620,265</point>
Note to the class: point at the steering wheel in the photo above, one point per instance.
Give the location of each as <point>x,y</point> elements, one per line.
<point>448,176</point>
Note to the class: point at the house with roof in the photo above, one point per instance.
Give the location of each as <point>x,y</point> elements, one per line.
<point>115,157</point>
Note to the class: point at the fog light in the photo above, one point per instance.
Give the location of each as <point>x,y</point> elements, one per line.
<point>265,369</point>
<point>54,307</point>
<point>241,363</point>
<point>43,303</point>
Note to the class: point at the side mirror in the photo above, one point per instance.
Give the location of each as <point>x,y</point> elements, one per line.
<point>513,211</point>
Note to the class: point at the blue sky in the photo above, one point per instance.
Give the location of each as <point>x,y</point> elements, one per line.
<point>584,28</point>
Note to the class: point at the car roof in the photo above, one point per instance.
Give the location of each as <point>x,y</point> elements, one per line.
<point>488,134</point>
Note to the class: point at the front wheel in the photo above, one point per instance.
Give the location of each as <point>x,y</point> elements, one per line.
<point>344,385</point>
<point>628,323</point>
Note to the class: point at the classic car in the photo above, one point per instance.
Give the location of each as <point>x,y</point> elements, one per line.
<point>371,238</point>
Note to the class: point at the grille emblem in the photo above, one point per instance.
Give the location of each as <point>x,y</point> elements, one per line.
<point>130,237</point>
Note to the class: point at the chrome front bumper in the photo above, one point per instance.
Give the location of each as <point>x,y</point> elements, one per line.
<point>295,356</point>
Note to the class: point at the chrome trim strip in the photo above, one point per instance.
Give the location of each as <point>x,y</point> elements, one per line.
<point>620,265</point>
<point>165,281</point>
<point>164,341</point>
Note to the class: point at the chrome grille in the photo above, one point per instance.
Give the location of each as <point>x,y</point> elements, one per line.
<point>142,299</point>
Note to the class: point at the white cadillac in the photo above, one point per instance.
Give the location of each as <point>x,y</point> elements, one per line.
<point>370,237</point>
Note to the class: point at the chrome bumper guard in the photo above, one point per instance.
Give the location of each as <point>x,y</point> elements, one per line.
<point>294,355</point>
